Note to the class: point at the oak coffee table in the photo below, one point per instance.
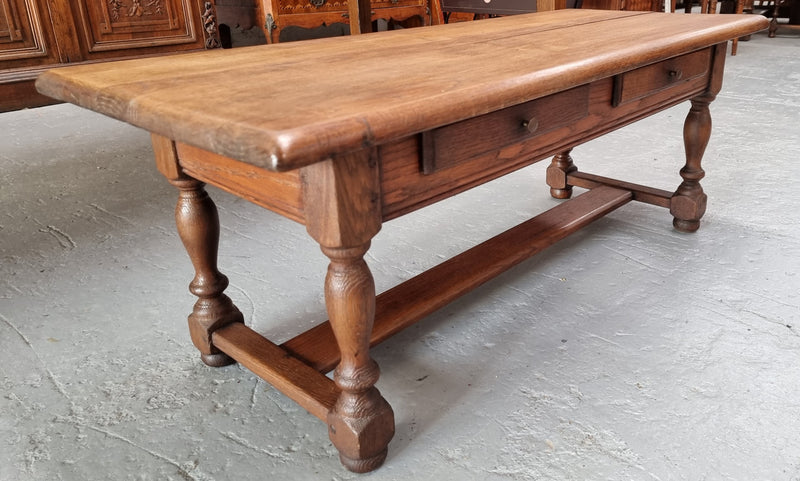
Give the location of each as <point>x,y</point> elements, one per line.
<point>343,134</point>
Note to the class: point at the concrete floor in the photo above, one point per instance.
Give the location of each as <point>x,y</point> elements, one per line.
<point>627,352</point>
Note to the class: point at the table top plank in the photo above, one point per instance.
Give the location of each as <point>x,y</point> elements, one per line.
<point>288,105</point>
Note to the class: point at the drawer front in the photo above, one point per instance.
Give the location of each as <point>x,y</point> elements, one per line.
<point>462,141</point>
<point>291,7</point>
<point>671,73</point>
<point>406,187</point>
<point>396,3</point>
<point>491,7</point>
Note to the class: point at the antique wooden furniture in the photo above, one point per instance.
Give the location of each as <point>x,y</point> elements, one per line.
<point>631,5</point>
<point>706,6</point>
<point>277,15</point>
<point>36,35</point>
<point>232,14</point>
<point>427,113</point>
<point>792,12</point>
<point>503,7</point>
<point>710,6</point>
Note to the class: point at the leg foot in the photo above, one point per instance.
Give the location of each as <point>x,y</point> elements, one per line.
<point>217,360</point>
<point>361,427</point>
<point>685,225</point>
<point>363,465</point>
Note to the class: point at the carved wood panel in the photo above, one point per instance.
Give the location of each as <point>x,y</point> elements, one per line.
<point>290,7</point>
<point>38,34</point>
<point>21,33</point>
<point>123,24</point>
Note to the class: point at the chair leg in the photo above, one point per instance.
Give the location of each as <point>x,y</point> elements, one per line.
<point>739,11</point>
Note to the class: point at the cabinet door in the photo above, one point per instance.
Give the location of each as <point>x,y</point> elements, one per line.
<point>22,33</point>
<point>114,25</point>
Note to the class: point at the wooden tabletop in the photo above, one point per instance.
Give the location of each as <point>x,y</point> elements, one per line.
<point>287,105</point>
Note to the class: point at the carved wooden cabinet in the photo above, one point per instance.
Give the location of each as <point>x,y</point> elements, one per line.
<point>39,34</point>
<point>277,15</point>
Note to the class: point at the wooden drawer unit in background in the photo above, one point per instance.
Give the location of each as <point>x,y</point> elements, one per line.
<point>277,15</point>
<point>39,34</point>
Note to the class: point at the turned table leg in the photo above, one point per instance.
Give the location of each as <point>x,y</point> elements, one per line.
<point>688,203</point>
<point>343,213</point>
<point>558,170</point>
<point>198,226</point>
<point>361,424</point>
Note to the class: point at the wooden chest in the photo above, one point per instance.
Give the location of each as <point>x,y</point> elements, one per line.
<point>504,7</point>
<point>276,15</point>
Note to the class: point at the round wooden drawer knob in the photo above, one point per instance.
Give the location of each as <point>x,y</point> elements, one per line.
<point>531,125</point>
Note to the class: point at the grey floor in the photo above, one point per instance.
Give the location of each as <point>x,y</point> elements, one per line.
<point>627,352</point>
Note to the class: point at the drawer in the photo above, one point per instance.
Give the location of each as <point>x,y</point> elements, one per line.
<point>293,7</point>
<point>396,3</point>
<point>671,73</point>
<point>491,7</point>
<point>462,141</point>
